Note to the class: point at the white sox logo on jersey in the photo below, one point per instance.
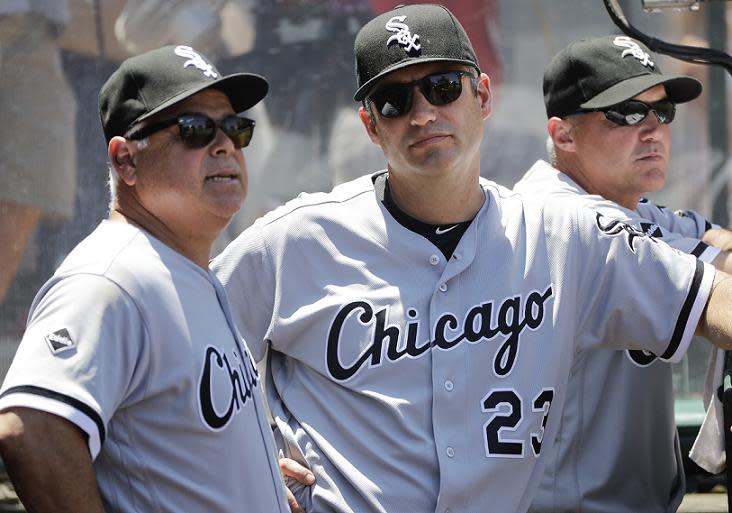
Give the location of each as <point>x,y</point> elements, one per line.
<point>195,60</point>
<point>633,49</point>
<point>510,318</point>
<point>225,386</point>
<point>405,39</point>
<point>614,227</point>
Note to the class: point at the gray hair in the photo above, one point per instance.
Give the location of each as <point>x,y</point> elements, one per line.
<point>551,150</point>
<point>112,183</point>
<point>114,178</point>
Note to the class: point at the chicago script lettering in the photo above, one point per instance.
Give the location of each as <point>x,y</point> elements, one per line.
<point>513,315</point>
<point>240,381</point>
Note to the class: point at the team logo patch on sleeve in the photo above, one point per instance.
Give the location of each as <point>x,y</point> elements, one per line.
<point>652,230</point>
<point>60,341</point>
<point>613,227</point>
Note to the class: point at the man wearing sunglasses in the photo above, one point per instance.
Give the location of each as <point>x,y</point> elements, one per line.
<point>610,108</point>
<point>421,322</point>
<point>132,389</point>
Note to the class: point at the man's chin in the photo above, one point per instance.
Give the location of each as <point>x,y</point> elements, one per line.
<point>654,181</point>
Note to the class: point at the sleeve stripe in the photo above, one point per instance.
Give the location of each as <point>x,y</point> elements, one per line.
<point>699,249</point>
<point>681,323</point>
<point>707,225</point>
<point>709,254</point>
<point>71,409</point>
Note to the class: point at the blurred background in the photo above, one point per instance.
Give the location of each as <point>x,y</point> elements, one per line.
<point>55,55</point>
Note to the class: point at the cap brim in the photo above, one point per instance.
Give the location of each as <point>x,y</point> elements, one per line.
<point>366,88</point>
<point>679,89</point>
<point>244,90</point>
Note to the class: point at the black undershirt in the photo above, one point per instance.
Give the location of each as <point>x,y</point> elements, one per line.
<point>445,237</point>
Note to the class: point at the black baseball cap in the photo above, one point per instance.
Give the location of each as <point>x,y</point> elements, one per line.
<point>408,35</point>
<point>600,72</point>
<point>146,84</point>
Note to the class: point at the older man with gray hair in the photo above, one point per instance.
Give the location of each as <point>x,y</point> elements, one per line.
<point>131,376</point>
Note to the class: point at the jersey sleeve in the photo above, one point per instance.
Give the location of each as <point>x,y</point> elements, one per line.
<point>681,229</point>
<point>634,290</point>
<point>82,356</point>
<point>685,222</point>
<point>246,272</point>
<point>679,232</point>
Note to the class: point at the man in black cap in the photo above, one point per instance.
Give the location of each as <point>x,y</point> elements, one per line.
<point>421,322</point>
<point>610,108</point>
<point>132,389</point>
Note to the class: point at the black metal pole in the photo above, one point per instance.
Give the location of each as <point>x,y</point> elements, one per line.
<point>715,55</point>
<point>717,115</point>
<point>717,109</point>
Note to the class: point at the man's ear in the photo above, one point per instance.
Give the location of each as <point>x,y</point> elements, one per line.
<point>484,94</point>
<point>121,155</point>
<point>370,125</point>
<point>562,133</point>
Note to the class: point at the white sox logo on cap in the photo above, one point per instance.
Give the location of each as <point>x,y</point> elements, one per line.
<point>632,49</point>
<point>405,39</point>
<point>195,59</point>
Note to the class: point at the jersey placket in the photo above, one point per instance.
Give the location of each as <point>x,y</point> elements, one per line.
<point>450,411</point>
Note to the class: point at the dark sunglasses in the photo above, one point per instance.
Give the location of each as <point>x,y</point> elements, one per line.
<point>632,112</point>
<point>198,130</point>
<point>441,88</point>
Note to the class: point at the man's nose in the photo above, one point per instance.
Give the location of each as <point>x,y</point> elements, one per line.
<point>423,111</point>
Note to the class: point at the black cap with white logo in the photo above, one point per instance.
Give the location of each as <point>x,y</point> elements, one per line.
<point>151,82</point>
<point>408,35</point>
<point>600,72</point>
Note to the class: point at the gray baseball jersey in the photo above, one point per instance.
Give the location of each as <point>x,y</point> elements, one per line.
<point>618,430</point>
<point>410,383</point>
<point>134,344</point>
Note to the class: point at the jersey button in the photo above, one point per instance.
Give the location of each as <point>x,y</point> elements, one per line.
<point>450,452</point>
<point>449,385</point>
<point>443,287</point>
<point>434,260</point>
